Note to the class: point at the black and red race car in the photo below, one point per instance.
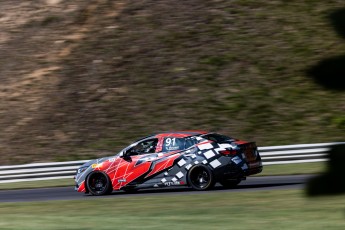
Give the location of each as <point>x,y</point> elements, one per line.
<point>192,158</point>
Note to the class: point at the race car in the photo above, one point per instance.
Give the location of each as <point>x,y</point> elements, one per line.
<point>197,159</point>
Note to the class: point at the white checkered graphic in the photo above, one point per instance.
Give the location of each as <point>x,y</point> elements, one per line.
<point>219,149</point>
<point>179,175</point>
<point>205,146</point>
<point>188,166</point>
<point>215,163</point>
<point>181,162</point>
<point>224,146</point>
<point>209,154</point>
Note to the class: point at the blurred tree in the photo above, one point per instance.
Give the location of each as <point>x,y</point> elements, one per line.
<point>330,73</point>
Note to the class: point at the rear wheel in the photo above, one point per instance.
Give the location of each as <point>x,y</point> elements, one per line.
<point>230,183</point>
<point>201,178</point>
<point>98,183</point>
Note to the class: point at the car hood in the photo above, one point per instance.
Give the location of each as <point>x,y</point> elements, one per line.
<point>95,161</point>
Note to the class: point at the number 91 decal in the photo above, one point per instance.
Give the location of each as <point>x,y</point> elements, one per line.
<point>171,144</point>
<point>170,141</point>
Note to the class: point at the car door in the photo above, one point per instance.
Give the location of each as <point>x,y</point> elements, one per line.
<point>136,163</point>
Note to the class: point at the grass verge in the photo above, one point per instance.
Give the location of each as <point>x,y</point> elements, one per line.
<point>270,170</point>
<point>38,184</point>
<point>293,169</point>
<point>260,210</point>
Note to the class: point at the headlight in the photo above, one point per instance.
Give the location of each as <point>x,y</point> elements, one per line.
<point>81,170</point>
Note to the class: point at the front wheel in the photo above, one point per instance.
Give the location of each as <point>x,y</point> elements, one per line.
<point>201,178</point>
<point>98,183</point>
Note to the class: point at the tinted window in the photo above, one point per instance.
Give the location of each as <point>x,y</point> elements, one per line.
<point>173,144</point>
<point>147,146</point>
<point>189,143</point>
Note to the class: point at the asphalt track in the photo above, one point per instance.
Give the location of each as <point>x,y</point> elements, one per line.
<point>252,184</point>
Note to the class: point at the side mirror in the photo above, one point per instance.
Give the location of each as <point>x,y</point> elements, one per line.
<point>126,154</point>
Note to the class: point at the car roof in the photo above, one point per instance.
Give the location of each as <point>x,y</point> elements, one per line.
<point>184,133</point>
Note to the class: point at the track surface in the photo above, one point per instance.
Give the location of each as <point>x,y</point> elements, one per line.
<point>68,193</point>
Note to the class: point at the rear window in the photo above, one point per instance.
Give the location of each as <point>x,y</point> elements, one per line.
<point>217,137</point>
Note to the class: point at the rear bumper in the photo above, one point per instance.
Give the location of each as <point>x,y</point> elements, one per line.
<point>238,170</point>
<point>253,171</point>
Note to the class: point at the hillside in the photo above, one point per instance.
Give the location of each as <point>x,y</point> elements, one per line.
<point>81,79</point>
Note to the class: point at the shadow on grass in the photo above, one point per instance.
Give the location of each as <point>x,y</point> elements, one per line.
<point>333,181</point>
<point>330,73</point>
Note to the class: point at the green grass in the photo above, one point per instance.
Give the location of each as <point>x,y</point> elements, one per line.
<point>260,210</point>
<point>294,169</point>
<point>271,170</point>
<point>38,184</point>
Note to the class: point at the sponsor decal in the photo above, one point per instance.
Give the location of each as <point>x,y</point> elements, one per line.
<point>96,165</point>
<point>236,160</point>
<point>172,183</point>
<point>172,148</point>
<point>121,180</point>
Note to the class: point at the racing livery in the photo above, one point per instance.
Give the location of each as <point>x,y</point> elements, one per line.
<point>193,158</point>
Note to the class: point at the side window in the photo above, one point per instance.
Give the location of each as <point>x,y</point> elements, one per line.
<point>189,143</point>
<point>173,144</point>
<point>144,147</point>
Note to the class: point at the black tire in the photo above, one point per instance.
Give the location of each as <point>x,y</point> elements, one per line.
<point>98,183</point>
<point>230,183</point>
<point>201,178</point>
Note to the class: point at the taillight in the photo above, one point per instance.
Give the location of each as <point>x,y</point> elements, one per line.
<point>228,152</point>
